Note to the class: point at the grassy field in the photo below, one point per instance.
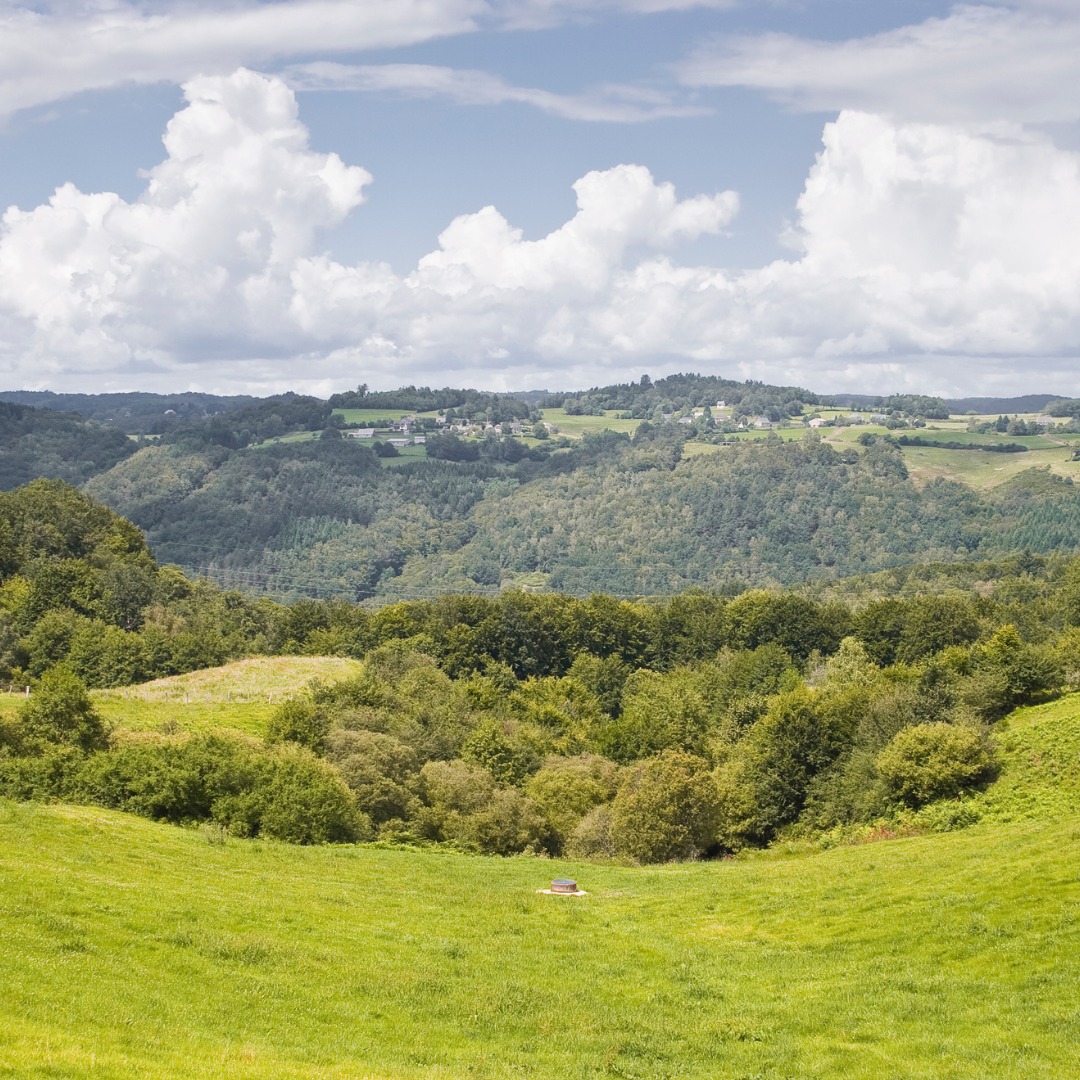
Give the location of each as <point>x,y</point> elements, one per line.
<point>376,417</point>
<point>136,950</point>
<point>983,470</point>
<point>240,696</point>
<point>573,427</point>
<point>131,949</point>
<point>1040,778</point>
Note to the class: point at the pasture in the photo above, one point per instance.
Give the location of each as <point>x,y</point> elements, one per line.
<point>136,949</point>
<point>240,696</point>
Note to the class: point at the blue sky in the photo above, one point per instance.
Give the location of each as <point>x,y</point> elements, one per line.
<point>843,194</point>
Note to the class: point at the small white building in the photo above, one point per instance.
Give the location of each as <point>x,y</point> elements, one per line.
<point>818,422</point>
<point>362,433</point>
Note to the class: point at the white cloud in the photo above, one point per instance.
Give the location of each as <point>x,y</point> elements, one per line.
<point>610,104</point>
<point>62,49</point>
<point>916,242</point>
<point>534,14</point>
<point>202,260</point>
<point>980,63</point>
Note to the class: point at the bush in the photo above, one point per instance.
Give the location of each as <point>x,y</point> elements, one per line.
<point>591,838</point>
<point>508,825</point>
<point>286,793</point>
<point>935,761</point>
<point>302,800</point>
<point>60,711</point>
<point>298,721</point>
<point>380,770</point>
<point>666,809</point>
<point>568,789</point>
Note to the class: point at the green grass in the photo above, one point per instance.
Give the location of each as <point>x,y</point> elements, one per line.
<point>574,427</point>
<point>376,416</point>
<point>984,470</point>
<point>1040,776</point>
<point>405,455</point>
<point>240,696</point>
<point>131,949</point>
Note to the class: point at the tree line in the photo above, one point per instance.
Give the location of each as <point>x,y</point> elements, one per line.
<point>593,727</point>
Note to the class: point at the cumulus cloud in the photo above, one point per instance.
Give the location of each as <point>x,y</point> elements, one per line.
<point>979,63</point>
<point>610,104</point>
<point>913,242</point>
<point>201,262</point>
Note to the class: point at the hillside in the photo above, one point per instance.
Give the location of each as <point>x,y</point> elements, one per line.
<point>131,948</point>
<point>42,443</point>
<point>609,513</point>
<point>1040,775</point>
<point>644,488</point>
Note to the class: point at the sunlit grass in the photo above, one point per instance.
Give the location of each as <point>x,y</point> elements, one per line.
<point>982,470</point>
<point>358,416</point>
<point>240,696</point>
<point>575,426</point>
<point>134,949</point>
<point>1040,775</point>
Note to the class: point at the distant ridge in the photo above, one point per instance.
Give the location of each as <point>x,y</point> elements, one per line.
<point>1025,403</point>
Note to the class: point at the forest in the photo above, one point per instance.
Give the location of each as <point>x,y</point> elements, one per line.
<point>268,497</point>
<point>648,730</point>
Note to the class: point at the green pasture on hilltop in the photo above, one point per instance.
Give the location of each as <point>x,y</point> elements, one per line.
<point>375,416</point>
<point>240,696</point>
<point>574,427</point>
<point>132,949</point>
<point>985,469</point>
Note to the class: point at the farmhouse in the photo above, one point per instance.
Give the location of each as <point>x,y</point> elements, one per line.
<point>362,433</point>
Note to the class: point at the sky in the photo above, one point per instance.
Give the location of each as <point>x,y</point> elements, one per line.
<point>871,196</point>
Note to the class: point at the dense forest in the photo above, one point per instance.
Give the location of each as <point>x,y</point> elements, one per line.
<point>132,412</point>
<point>267,496</point>
<point>628,516</point>
<point>598,727</point>
<point>38,442</point>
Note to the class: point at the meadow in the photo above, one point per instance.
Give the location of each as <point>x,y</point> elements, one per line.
<point>238,697</point>
<point>134,949</point>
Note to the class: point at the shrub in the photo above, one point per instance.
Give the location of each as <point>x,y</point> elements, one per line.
<point>568,789</point>
<point>510,823</point>
<point>935,761</point>
<point>591,838</point>
<point>380,771</point>
<point>298,721</point>
<point>286,793</point>
<point>303,800</point>
<point>60,711</point>
<point>666,809</point>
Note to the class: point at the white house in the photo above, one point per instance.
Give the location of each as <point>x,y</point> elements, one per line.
<point>362,433</point>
